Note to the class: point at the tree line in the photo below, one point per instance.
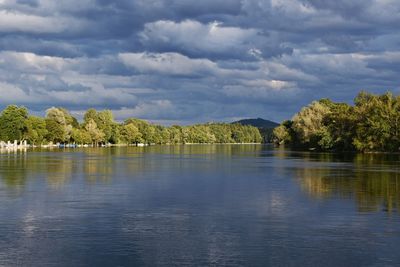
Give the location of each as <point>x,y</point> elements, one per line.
<point>372,124</point>
<point>99,127</point>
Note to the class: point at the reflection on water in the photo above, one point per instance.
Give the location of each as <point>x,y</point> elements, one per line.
<point>372,180</point>
<point>198,205</point>
<point>97,164</point>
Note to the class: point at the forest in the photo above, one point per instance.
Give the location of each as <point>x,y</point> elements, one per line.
<point>372,124</point>
<point>100,128</point>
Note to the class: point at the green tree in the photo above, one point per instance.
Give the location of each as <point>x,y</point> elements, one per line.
<point>90,114</point>
<point>69,119</point>
<point>378,122</point>
<point>105,121</point>
<point>115,133</point>
<point>281,135</point>
<point>36,130</point>
<point>175,135</point>
<point>130,134</point>
<point>13,123</point>
<point>81,136</point>
<point>308,124</point>
<point>96,135</point>
<point>165,135</point>
<point>200,134</point>
<point>58,125</point>
<point>222,133</point>
<point>340,124</point>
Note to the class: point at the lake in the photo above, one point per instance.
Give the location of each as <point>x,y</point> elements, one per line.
<point>221,205</point>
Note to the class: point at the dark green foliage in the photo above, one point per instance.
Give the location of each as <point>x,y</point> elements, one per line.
<point>13,123</point>
<point>373,124</point>
<point>115,133</point>
<point>341,126</point>
<point>265,127</point>
<point>259,123</point>
<point>36,130</point>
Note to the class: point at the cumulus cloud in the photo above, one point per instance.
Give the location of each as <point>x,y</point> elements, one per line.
<point>14,22</point>
<point>188,61</point>
<point>32,63</point>
<point>167,63</point>
<point>262,91</point>
<point>17,22</point>
<point>212,39</point>
<point>40,81</point>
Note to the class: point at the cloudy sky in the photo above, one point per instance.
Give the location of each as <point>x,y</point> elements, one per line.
<point>185,61</point>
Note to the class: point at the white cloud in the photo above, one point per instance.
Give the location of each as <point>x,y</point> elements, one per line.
<point>13,21</point>
<point>212,39</point>
<point>167,63</point>
<point>207,59</point>
<point>261,90</point>
<point>197,36</point>
<point>32,79</point>
<point>30,62</point>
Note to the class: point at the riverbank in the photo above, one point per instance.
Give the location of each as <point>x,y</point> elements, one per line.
<point>24,146</point>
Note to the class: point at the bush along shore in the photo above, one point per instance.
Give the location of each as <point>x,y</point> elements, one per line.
<point>18,129</point>
<point>372,124</point>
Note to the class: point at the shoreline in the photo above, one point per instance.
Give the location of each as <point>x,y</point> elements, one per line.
<point>72,146</point>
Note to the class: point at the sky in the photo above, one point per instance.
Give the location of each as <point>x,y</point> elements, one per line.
<point>190,61</point>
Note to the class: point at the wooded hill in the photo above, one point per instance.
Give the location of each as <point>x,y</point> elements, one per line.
<point>265,127</point>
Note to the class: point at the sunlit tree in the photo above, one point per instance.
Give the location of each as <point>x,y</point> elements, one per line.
<point>13,123</point>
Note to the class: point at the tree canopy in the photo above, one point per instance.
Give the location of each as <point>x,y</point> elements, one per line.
<point>13,123</point>
<point>99,127</point>
<point>371,124</point>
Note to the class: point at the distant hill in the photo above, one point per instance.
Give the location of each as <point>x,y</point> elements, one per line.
<point>259,123</point>
<point>265,126</point>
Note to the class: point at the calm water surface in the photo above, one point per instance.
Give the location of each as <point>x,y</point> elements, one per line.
<point>235,205</point>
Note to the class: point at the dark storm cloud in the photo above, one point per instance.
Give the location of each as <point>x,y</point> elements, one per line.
<point>32,3</point>
<point>211,40</point>
<point>190,61</point>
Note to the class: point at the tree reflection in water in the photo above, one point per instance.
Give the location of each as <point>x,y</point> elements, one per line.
<point>373,180</point>
<point>95,165</point>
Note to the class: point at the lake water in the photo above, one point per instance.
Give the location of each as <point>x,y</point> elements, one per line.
<point>221,205</point>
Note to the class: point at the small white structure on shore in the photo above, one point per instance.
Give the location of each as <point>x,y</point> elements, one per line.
<point>15,145</point>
